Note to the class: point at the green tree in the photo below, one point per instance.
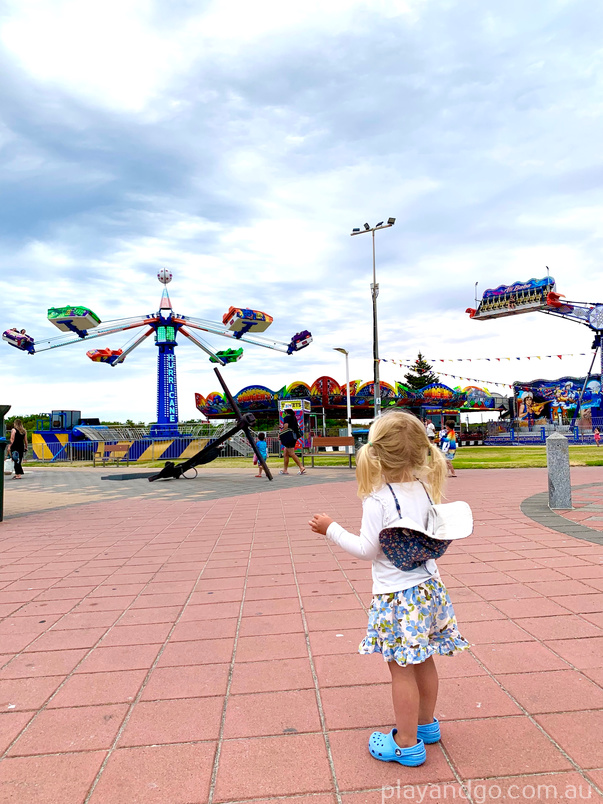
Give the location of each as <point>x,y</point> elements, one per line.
<point>420,374</point>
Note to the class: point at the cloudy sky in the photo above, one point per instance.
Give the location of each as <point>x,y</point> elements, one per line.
<point>239,143</point>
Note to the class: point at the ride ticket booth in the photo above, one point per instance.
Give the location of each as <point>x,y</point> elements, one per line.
<point>302,409</point>
<point>439,416</point>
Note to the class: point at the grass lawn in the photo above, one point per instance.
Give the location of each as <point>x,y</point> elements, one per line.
<point>466,458</point>
<point>521,457</point>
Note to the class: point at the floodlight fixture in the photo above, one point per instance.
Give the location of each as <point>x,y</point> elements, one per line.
<point>367,227</point>
<point>355,231</point>
<point>391,221</point>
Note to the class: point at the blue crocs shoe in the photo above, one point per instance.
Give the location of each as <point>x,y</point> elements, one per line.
<point>384,747</point>
<point>430,733</point>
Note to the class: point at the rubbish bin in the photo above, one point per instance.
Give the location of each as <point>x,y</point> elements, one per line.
<point>3,411</point>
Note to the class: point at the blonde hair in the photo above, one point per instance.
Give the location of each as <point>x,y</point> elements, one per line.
<point>18,425</point>
<point>398,451</point>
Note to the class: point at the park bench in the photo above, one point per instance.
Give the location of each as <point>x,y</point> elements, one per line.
<point>340,441</point>
<point>115,452</point>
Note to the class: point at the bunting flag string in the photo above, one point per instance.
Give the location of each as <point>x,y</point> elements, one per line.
<point>404,364</point>
<point>413,360</point>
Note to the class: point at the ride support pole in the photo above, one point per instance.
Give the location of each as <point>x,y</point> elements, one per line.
<point>3,411</point>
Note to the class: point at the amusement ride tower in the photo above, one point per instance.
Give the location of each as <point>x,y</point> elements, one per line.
<point>80,323</point>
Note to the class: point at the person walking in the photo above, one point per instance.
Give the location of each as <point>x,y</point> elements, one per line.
<point>288,436</point>
<point>430,430</point>
<point>17,446</point>
<point>411,617</point>
<point>597,434</point>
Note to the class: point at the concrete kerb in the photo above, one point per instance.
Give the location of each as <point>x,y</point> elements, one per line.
<point>537,509</point>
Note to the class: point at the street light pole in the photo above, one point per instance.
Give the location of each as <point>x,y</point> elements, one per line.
<point>347,386</point>
<point>376,379</point>
<point>374,294</point>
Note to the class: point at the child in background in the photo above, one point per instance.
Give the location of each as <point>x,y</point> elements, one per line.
<point>442,435</point>
<point>263,450</point>
<point>411,617</point>
<point>448,447</point>
<point>597,436</point>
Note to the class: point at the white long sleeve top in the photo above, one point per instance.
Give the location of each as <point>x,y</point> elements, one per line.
<point>379,511</point>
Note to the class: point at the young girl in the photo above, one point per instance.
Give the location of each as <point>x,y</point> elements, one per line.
<point>411,617</point>
<point>448,447</point>
<point>263,450</point>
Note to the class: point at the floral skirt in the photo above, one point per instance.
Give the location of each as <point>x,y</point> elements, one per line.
<point>410,626</point>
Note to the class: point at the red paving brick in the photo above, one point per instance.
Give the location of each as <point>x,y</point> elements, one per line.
<point>176,721</point>
<point>27,693</point>
<point>252,768</point>
<point>99,688</point>
<point>85,728</point>
<point>120,641</point>
<point>500,747</point>
<point>286,712</point>
<point>178,774</point>
<point>49,779</point>
<point>272,675</point>
<point>578,733</point>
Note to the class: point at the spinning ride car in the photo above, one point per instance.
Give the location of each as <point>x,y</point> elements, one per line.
<point>299,341</point>
<point>110,356</point>
<point>227,356</point>
<point>241,320</point>
<point>19,339</point>
<point>73,319</point>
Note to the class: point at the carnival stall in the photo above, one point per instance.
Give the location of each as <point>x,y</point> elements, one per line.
<point>326,395</point>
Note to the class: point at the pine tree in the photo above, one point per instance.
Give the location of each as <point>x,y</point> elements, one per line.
<point>420,374</point>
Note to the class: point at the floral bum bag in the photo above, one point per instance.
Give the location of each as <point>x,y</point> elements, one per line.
<point>408,545</point>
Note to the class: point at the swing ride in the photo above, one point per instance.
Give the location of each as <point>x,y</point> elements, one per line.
<point>79,323</point>
<point>539,295</point>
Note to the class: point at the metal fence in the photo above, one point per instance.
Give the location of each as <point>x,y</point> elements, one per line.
<point>518,433</point>
<point>147,449</point>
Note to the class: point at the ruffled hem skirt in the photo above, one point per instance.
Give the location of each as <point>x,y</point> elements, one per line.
<point>410,626</point>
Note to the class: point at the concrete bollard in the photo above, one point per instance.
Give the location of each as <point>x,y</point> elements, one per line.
<point>557,462</point>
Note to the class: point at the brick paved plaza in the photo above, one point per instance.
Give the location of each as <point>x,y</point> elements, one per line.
<point>166,645</point>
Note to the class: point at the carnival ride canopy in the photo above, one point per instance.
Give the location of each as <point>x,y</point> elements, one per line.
<point>326,393</point>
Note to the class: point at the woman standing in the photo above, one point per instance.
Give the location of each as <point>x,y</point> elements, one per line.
<point>289,434</point>
<point>17,446</point>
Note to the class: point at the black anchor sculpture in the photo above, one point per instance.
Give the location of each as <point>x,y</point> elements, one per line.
<point>245,422</point>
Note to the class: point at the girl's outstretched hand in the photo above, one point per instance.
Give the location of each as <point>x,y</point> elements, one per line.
<point>320,522</point>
